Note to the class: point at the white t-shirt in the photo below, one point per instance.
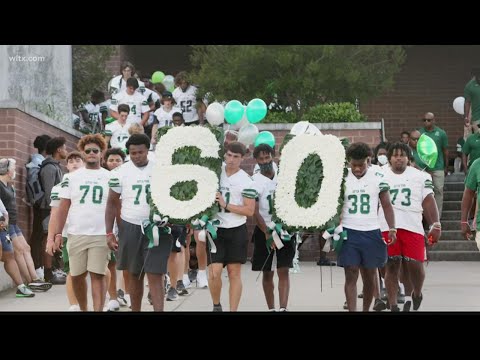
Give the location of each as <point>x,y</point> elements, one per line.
<point>137,102</point>
<point>266,189</point>
<point>118,134</point>
<point>164,118</point>
<point>133,184</point>
<point>55,202</point>
<point>87,190</point>
<point>361,199</point>
<point>233,189</point>
<point>407,192</point>
<point>187,101</point>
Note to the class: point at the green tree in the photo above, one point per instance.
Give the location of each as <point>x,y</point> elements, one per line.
<point>296,76</point>
<point>88,70</point>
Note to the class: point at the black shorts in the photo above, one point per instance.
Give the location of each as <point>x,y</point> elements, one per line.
<point>135,256</point>
<point>284,256</point>
<point>231,246</point>
<point>179,234</point>
<point>197,122</point>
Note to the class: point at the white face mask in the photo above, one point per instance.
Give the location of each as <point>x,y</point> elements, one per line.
<point>382,159</point>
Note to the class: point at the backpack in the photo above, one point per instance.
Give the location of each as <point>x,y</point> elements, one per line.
<point>33,188</point>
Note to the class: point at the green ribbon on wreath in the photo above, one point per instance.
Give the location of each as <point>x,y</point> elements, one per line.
<point>208,230</point>
<point>277,235</point>
<point>335,237</point>
<point>153,230</point>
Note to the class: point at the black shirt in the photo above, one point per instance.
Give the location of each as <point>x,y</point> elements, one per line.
<point>7,194</point>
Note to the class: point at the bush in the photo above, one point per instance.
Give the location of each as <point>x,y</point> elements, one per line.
<point>334,113</point>
<point>277,117</point>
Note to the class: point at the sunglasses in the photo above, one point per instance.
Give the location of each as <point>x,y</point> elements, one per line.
<point>428,120</point>
<point>95,151</point>
<point>414,139</point>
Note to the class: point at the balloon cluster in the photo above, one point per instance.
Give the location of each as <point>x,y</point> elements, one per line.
<point>235,113</point>
<point>167,80</point>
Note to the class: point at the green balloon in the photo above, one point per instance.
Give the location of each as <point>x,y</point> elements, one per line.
<point>234,111</point>
<point>265,137</point>
<point>157,77</point>
<point>256,110</point>
<point>427,150</point>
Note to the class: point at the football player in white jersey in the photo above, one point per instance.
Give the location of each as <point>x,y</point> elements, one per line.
<point>93,113</point>
<point>163,115</point>
<point>74,162</point>
<point>364,250</point>
<point>84,198</point>
<point>237,201</point>
<point>411,194</point>
<point>139,109</point>
<point>116,133</point>
<point>266,183</point>
<point>119,83</point>
<point>185,96</point>
<point>129,187</point>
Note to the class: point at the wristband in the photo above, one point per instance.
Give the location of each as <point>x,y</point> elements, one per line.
<point>110,233</point>
<point>392,230</point>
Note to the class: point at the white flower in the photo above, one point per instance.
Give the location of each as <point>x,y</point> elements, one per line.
<point>165,175</point>
<point>332,153</point>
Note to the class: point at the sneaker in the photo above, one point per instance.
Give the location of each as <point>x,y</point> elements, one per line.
<point>172,294</point>
<point>283,310</point>
<point>192,275</point>
<point>149,298</point>
<point>395,308</point>
<point>407,306</point>
<point>59,273</point>
<point>217,308</point>
<point>57,280</point>
<point>24,291</point>
<point>113,305</point>
<point>75,307</point>
<point>360,296</point>
<point>379,305</point>
<point>202,281</point>
<point>383,294</point>
<point>166,282</point>
<point>325,262</point>
<point>39,285</point>
<point>186,281</point>
<point>121,298</point>
<point>400,298</point>
<point>345,306</point>
<point>181,288</point>
<point>417,301</point>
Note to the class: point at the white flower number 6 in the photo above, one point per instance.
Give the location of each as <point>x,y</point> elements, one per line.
<point>165,175</point>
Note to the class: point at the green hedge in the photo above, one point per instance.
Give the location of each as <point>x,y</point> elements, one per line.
<point>323,113</point>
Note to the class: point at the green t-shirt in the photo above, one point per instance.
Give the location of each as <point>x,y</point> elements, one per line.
<point>472,182</point>
<point>417,159</point>
<point>472,148</point>
<point>441,140</point>
<point>472,94</point>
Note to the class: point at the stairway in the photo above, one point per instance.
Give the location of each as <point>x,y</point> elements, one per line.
<point>452,246</point>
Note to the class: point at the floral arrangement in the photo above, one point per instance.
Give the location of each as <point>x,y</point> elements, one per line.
<point>310,190</point>
<point>186,174</point>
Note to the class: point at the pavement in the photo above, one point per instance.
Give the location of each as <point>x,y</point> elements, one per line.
<point>449,286</point>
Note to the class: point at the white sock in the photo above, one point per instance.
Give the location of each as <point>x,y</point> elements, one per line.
<point>402,288</point>
<point>383,282</point>
<point>186,279</point>
<point>202,273</point>
<point>408,298</point>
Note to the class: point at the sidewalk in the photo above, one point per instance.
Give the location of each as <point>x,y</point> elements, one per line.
<point>449,286</point>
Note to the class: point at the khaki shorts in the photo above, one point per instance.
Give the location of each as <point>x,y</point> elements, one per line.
<point>87,253</point>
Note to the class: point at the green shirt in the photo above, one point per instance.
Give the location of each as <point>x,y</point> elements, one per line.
<point>472,148</point>
<point>472,182</point>
<point>417,159</point>
<point>472,94</point>
<point>441,140</point>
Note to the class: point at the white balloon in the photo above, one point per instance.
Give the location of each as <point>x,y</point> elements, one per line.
<point>304,127</point>
<point>458,105</point>
<point>243,122</point>
<point>169,82</point>
<point>247,134</point>
<point>215,114</point>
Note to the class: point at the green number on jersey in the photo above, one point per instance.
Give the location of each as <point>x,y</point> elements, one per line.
<point>97,194</point>
<point>270,204</point>
<point>133,109</point>
<point>139,188</point>
<point>227,200</point>
<point>364,204</point>
<point>405,191</point>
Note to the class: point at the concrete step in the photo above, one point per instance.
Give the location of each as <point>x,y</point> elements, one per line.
<point>455,245</point>
<point>454,186</point>
<point>451,205</point>
<point>455,178</point>
<point>451,225</point>
<point>451,215</point>
<point>453,195</point>
<point>454,256</point>
<point>452,234</point>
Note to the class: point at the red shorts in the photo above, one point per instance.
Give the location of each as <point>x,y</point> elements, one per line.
<point>410,245</point>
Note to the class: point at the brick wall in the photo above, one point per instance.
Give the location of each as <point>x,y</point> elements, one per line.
<point>18,130</point>
<point>431,78</point>
<point>310,250</point>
